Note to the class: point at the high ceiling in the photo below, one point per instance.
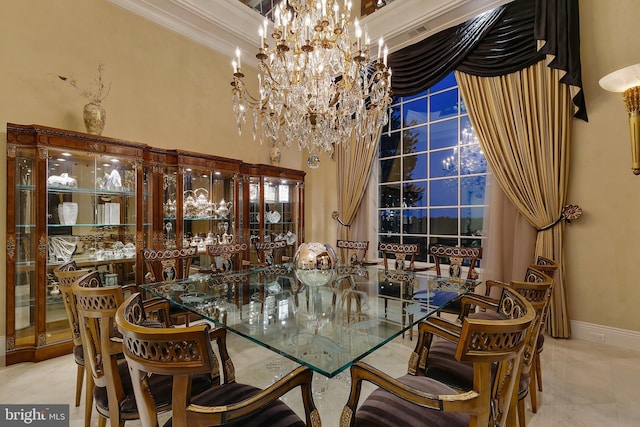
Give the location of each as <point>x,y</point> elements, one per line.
<point>223,25</point>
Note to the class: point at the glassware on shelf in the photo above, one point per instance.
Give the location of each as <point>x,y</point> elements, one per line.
<point>62,180</point>
<point>62,248</point>
<point>68,213</point>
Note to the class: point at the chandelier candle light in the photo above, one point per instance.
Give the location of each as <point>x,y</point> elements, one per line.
<point>318,88</point>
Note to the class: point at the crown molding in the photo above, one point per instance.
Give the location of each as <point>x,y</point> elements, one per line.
<point>224,25</point>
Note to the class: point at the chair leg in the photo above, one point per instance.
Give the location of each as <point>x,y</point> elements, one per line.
<point>88,400</point>
<point>102,421</point>
<point>511,415</point>
<point>533,387</point>
<point>79,381</point>
<point>521,412</point>
<point>537,370</point>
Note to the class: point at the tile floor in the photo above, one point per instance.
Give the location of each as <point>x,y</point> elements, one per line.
<point>585,384</point>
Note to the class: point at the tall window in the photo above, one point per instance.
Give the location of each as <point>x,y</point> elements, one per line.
<point>432,171</point>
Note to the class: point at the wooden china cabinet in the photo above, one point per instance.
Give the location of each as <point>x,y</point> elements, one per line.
<point>70,196</point>
<point>98,201</point>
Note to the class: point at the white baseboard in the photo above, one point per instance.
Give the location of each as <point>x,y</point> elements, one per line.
<point>616,337</point>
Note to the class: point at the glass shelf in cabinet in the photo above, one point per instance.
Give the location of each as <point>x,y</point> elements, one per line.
<point>27,187</point>
<point>91,225</point>
<point>25,265</point>
<point>212,218</point>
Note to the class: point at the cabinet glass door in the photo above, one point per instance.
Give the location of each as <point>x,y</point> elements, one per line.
<point>169,206</point>
<point>274,212</point>
<point>281,212</point>
<point>208,211</point>
<point>26,244</point>
<point>91,219</point>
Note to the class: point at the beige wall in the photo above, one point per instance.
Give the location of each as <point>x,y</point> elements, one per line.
<point>601,254</point>
<point>169,92</point>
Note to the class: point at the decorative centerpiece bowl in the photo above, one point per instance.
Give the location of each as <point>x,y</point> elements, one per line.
<point>315,263</point>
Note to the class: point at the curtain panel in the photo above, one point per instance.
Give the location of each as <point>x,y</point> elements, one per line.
<point>501,42</point>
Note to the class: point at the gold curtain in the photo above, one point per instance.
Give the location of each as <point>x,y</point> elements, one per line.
<point>523,123</point>
<point>354,162</point>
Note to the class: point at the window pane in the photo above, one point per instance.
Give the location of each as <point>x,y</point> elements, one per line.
<point>422,241</point>
<point>415,167</point>
<point>472,190</point>
<point>414,194</point>
<point>443,163</point>
<point>472,160</point>
<point>390,170</point>
<point>414,140</point>
<point>443,192</point>
<point>394,117</point>
<point>471,222</point>
<point>444,105</point>
<point>414,221</point>
<point>389,196</point>
<point>444,221</point>
<point>415,112</point>
<point>475,243</point>
<point>445,83</point>
<point>389,144</point>
<point>444,134</point>
<point>389,221</point>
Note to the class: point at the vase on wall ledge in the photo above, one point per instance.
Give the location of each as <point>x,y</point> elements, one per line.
<point>95,117</point>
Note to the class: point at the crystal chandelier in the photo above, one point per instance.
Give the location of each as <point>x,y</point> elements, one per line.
<point>317,86</point>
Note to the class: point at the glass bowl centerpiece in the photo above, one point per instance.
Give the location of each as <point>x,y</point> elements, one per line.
<point>315,263</point>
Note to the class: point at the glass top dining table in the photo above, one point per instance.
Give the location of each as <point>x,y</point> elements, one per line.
<point>327,328</point>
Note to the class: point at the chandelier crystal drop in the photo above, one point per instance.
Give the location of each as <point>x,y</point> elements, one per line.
<point>318,87</point>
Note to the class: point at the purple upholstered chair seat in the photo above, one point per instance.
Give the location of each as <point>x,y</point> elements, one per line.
<point>383,409</point>
<point>276,414</point>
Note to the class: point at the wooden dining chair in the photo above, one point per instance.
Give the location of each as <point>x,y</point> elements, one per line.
<point>113,391</point>
<point>456,257</point>
<point>67,274</point>
<point>183,353</point>
<point>400,252</point>
<point>537,291</point>
<point>549,267</point>
<point>352,252</point>
<point>269,253</point>
<point>227,257</point>
<point>166,265</point>
<point>493,350</point>
<point>170,265</point>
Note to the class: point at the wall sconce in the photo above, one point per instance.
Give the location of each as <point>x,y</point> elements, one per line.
<point>627,81</point>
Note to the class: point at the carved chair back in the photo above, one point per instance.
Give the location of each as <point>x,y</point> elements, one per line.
<point>167,265</point>
<point>456,257</point>
<point>227,257</point>
<point>400,252</point>
<point>270,253</point>
<point>352,252</point>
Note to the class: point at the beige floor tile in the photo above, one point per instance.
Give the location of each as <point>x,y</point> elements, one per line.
<point>585,384</point>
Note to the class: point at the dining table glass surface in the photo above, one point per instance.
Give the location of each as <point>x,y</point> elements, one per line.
<point>328,327</point>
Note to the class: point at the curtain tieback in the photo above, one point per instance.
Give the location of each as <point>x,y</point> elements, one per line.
<point>568,214</point>
<point>335,215</point>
